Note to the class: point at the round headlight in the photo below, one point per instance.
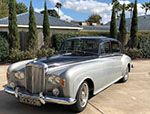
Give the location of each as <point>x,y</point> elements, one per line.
<point>57,80</point>
<point>51,79</point>
<point>19,75</point>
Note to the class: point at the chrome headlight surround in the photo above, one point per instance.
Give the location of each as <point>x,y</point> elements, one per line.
<point>19,75</point>
<point>53,79</point>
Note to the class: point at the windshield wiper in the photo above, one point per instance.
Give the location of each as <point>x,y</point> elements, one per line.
<point>84,53</point>
<point>76,53</point>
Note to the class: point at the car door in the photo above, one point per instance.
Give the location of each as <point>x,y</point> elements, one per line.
<point>117,55</point>
<point>110,65</point>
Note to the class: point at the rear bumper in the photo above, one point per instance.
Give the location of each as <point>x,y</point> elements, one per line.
<point>43,99</point>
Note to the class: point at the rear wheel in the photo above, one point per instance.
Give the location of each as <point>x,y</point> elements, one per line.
<point>126,76</point>
<point>82,98</point>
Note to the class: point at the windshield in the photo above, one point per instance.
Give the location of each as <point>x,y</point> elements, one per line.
<point>80,47</point>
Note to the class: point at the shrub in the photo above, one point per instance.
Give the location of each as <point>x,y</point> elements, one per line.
<point>4,49</point>
<point>29,55</point>
<point>17,55</point>
<point>144,44</point>
<point>133,53</point>
<point>45,52</point>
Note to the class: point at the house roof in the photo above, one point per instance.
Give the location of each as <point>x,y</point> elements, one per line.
<point>143,23</point>
<point>23,20</point>
<point>96,28</point>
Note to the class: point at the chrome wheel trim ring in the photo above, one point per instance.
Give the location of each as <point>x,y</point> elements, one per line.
<point>126,75</point>
<point>84,94</point>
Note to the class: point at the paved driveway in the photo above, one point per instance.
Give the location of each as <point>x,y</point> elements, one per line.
<point>132,97</point>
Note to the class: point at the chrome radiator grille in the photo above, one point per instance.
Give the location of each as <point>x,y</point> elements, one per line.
<point>35,79</point>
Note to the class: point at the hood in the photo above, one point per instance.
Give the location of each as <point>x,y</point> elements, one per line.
<point>59,60</point>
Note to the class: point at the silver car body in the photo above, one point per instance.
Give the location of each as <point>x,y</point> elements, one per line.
<point>101,71</point>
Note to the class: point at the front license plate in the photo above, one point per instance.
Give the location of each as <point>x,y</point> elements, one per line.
<point>29,100</point>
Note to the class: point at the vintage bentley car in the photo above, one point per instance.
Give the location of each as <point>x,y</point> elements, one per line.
<point>84,66</point>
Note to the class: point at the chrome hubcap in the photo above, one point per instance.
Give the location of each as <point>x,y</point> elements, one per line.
<point>84,94</point>
<point>126,75</point>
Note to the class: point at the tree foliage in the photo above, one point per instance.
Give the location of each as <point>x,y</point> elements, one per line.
<point>4,8</point>
<point>14,39</point>
<point>130,8</point>
<point>94,18</point>
<point>46,27</point>
<point>58,6</point>
<point>146,7</point>
<point>113,1</point>
<point>32,39</point>
<point>21,8</point>
<point>122,28</point>
<point>134,27</point>
<point>113,27</point>
<point>118,7</point>
<point>52,12</point>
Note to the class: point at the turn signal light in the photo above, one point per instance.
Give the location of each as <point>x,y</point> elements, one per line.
<point>7,75</point>
<point>63,82</point>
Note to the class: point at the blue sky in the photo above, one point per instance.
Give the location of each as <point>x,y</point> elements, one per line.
<point>80,10</point>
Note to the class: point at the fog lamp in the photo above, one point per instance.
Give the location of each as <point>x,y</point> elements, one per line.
<point>12,85</point>
<point>56,92</point>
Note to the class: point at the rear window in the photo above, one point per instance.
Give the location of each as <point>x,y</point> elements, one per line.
<point>115,47</point>
<point>105,48</point>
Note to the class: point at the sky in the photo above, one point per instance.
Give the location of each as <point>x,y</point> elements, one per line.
<point>80,10</point>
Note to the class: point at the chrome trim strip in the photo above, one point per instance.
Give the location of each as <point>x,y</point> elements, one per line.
<point>43,99</point>
<point>10,91</point>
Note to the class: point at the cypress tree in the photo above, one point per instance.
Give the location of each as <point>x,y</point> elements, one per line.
<point>46,28</point>
<point>122,28</point>
<point>113,27</point>
<point>32,39</point>
<point>14,39</point>
<point>134,28</point>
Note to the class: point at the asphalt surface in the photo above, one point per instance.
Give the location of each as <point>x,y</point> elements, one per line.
<point>132,97</point>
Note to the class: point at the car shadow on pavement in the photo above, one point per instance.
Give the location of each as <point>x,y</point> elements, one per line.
<point>10,105</point>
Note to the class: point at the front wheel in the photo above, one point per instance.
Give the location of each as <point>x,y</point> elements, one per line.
<point>82,98</point>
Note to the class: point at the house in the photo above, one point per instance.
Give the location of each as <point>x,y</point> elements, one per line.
<point>84,23</point>
<point>143,23</point>
<point>56,26</point>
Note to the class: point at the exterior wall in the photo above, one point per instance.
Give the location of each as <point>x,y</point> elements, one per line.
<point>24,39</point>
<point>23,32</point>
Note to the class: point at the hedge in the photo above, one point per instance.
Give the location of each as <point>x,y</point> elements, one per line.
<point>143,50</point>
<point>4,49</point>
<point>144,45</point>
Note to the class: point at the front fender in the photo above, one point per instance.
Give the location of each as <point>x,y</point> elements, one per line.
<point>18,65</point>
<point>75,76</point>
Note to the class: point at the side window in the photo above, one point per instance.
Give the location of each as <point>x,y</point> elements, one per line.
<point>105,48</point>
<point>115,47</point>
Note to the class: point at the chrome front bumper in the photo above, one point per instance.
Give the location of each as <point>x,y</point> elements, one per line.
<point>43,99</point>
